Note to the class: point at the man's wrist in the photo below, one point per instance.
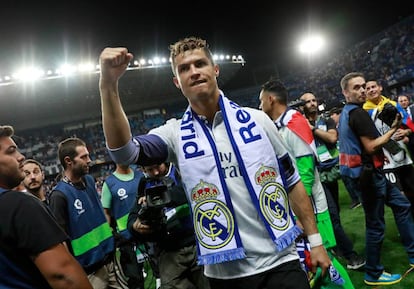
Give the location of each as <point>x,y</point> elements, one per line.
<point>315,240</point>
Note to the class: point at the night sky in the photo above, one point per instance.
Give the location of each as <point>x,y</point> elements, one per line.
<point>46,33</point>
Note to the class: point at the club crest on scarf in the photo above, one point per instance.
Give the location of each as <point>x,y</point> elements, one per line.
<point>214,224</point>
<point>272,198</point>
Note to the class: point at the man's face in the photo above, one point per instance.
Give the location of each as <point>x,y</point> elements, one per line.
<point>311,104</point>
<point>33,177</point>
<point>403,101</point>
<point>11,164</point>
<point>355,91</point>
<point>196,75</point>
<point>156,171</point>
<point>265,102</point>
<point>80,164</point>
<point>373,90</point>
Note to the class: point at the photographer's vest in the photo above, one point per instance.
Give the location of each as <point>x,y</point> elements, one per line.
<point>91,235</point>
<point>327,154</point>
<point>123,198</point>
<point>350,161</point>
<point>350,156</point>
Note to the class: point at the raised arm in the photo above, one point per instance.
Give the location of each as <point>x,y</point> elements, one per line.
<point>113,62</point>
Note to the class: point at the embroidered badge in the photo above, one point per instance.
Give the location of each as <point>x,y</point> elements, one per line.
<point>273,199</point>
<point>214,223</point>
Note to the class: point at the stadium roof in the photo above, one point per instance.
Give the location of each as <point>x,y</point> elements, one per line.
<point>76,98</point>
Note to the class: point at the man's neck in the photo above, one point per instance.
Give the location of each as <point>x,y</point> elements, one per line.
<point>312,116</point>
<point>376,100</point>
<point>207,107</point>
<point>72,178</point>
<point>278,111</point>
<point>40,194</point>
<point>123,171</point>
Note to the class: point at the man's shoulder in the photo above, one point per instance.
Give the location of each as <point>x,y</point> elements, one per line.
<point>171,126</point>
<point>56,193</point>
<point>12,199</point>
<point>172,122</point>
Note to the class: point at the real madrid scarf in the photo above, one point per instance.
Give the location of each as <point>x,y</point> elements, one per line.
<point>216,229</point>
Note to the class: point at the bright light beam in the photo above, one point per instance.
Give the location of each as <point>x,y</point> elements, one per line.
<point>312,44</point>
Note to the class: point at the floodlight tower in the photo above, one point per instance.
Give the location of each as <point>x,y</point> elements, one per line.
<point>312,47</point>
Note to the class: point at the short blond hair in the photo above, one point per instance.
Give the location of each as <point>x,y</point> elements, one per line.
<point>6,131</point>
<point>186,44</point>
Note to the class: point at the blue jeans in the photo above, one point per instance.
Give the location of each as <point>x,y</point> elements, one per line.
<point>373,198</point>
<point>353,192</point>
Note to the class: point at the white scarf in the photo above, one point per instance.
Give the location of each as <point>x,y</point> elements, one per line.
<point>216,229</point>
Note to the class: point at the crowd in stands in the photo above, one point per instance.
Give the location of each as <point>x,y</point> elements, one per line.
<point>387,56</point>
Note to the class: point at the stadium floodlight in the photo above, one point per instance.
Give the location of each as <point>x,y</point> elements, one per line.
<point>156,60</point>
<point>28,74</point>
<point>86,67</point>
<point>66,70</point>
<point>312,44</point>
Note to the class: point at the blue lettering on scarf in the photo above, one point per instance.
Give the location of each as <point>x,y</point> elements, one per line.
<point>190,148</point>
<point>246,133</point>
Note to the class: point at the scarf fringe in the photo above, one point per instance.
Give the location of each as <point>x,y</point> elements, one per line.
<point>288,238</point>
<point>221,257</point>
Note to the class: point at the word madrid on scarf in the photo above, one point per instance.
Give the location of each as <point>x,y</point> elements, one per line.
<point>216,228</point>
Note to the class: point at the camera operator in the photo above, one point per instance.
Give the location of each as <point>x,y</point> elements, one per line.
<point>161,215</point>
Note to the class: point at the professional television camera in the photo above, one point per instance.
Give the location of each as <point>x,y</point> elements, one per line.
<point>297,103</point>
<point>157,194</point>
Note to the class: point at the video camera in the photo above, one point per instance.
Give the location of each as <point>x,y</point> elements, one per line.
<point>387,115</point>
<point>157,194</point>
<point>297,103</point>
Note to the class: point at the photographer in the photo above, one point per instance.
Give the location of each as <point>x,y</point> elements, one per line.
<point>161,215</point>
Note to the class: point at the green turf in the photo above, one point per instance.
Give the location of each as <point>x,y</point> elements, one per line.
<point>393,255</point>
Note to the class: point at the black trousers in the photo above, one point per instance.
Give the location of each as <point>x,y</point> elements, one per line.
<point>286,276</point>
<point>131,268</point>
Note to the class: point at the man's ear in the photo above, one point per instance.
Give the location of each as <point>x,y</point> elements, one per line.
<point>272,98</point>
<point>177,84</point>
<point>67,160</point>
<point>217,69</point>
